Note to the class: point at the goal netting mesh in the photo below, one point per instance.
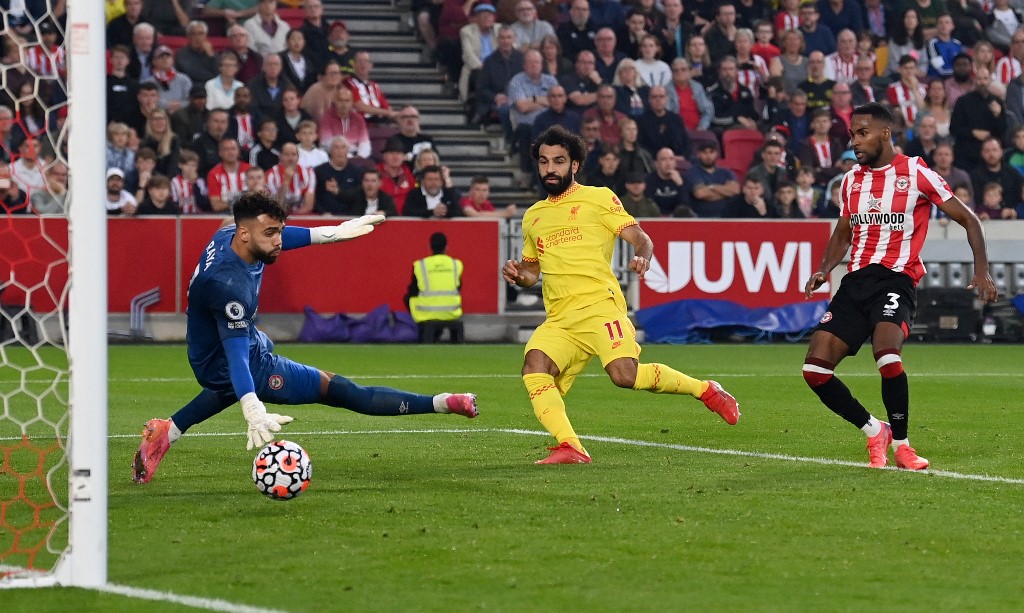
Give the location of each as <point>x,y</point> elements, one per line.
<point>34,290</point>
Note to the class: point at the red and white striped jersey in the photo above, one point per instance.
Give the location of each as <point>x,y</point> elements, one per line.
<point>303,182</point>
<point>840,70</point>
<point>901,97</point>
<point>1007,69</point>
<point>751,78</point>
<point>786,21</point>
<point>182,193</point>
<point>226,185</point>
<point>46,63</point>
<point>888,208</point>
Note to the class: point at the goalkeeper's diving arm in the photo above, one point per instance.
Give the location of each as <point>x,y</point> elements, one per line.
<point>294,237</point>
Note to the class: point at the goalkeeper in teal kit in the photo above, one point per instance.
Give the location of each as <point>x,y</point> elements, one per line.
<point>234,362</point>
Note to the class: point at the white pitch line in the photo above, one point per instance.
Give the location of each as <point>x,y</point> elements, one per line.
<point>210,604</point>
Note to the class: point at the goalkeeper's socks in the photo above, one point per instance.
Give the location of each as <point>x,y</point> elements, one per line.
<point>372,400</point>
<point>550,409</point>
<point>173,433</point>
<point>661,379</point>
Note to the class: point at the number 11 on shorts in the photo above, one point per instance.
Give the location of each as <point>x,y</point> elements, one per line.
<point>614,329</point>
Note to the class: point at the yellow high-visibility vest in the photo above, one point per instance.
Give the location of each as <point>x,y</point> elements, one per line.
<point>438,278</point>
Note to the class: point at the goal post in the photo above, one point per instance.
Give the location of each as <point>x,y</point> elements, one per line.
<point>77,483</point>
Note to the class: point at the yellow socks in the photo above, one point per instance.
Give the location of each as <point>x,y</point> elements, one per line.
<point>661,379</point>
<point>550,409</point>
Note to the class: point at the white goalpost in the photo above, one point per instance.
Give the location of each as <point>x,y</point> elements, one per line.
<point>81,518</point>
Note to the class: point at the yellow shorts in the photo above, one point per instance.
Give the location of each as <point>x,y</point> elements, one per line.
<point>602,329</point>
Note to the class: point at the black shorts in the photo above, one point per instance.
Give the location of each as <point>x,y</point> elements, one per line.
<point>866,298</point>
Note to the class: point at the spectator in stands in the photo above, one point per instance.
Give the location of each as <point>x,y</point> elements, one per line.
<point>1015,100</point>
<point>977,117</point>
<point>817,86</point>
<point>368,198</point>
<point>409,136</point>
<point>817,37</point>
<point>633,196</point>
<point>478,39</point>
<point>396,178</point>
<point>297,67</point>
<point>907,94</point>
<point>581,85</point>
<point>121,89</point>
<point>907,38</point>
<point>1008,67</point>
<point>220,90</point>
<point>552,60</point>
<point>13,199</point>
<point>557,113</point>
<point>310,155</point>
<point>255,180</point>
<point>338,48</point>
<point>785,202</point>
<point>173,86</point>
<point>243,120</point>
<point>495,74</point>
<point>290,116</point>
<point>52,200</point>
<point>197,59</point>
<point>751,69</point>
<point>334,178</point>
<point>369,99</point>
<point>993,206</point>
<point>607,115</point>
<point>721,36</point>
<point>46,58</point>
<point>136,179</point>
<point>608,172</point>
<point>429,157</point>
<point>787,17</point>
<point>189,120</point>
<point>711,187</point>
<point>478,203</point>
<point>143,39</point>
<point>942,163</point>
<point>688,97</point>
<point>250,63</point>
<point>992,169</point>
<point>226,180</point>
<point>455,14</point>
<point>119,155</point>
<point>148,100</point>
<point>266,30</point>
<point>839,15</point>
<point>314,27</point>
<point>665,186</point>
<point>674,32</point>
<point>962,79</point>
<point>734,104</point>
<point>161,138</point>
<point>120,30</point>
<point>768,169</point>
<point>6,134</point>
<point>942,49</point>
<point>339,120</point>
<point>528,28</point>
<point>432,199</point>
<point>659,128</point>
<point>841,111</point>
<point>528,97</point>
<point>207,144</point>
<point>264,153</point>
<point>629,33</point>
<point>267,88</point>
<point>231,11</point>
<point>791,64</point>
<point>119,201</point>
<point>841,66</point>
<point>577,34</point>
<point>169,17</point>
<point>630,91</point>
<point>292,183</point>
<point>925,140</point>
<point>187,190</point>
<point>820,151</point>
<point>810,198</point>
<point>864,89</point>
<point>157,200</point>
<point>651,10</point>
<point>632,155</point>
<point>606,13</point>
<point>606,55</point>
<point>751,202</point>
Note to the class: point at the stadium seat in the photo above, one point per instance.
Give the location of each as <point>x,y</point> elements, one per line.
<point>219,43</point>
<point>700,136</point>
<point>379,135</point>
<point>739,147</point>
<point>294,17</point>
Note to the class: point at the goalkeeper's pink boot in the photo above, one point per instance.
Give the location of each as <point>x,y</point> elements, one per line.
<point>722,402</point>
<point>907,458</point>
<point>462,404</point>
<point>155,443</point>
<point>878,447</point>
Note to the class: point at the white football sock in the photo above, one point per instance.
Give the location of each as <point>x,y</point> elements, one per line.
<point>873,427</point>
<point>173,433</point>
<point>896,443</point>
<point>441,403</point>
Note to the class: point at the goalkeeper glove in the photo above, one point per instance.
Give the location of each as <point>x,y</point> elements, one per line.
<point>261,423</point>
<point>353,228</point>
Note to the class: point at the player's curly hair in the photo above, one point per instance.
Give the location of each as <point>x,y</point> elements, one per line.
<point>557,135</point>
<point>253,204</point>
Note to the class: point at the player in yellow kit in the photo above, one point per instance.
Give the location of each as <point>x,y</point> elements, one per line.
<point>569,237</point>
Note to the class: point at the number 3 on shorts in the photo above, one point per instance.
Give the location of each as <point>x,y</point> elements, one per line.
<point>894,301</point>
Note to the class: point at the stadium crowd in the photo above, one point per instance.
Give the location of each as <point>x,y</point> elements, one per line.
<point>709,108</point>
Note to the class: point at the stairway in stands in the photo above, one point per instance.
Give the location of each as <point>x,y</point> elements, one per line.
<point>382,28</point>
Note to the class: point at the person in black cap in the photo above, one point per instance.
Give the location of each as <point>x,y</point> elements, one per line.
<point>634,198</point>
<point>188,121</point>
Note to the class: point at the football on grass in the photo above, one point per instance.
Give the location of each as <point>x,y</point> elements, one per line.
<point>282,470</point>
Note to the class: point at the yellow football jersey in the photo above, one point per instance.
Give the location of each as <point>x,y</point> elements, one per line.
<point>573,237</point>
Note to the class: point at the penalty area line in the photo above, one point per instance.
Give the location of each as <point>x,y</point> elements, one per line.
<point>198,602</point>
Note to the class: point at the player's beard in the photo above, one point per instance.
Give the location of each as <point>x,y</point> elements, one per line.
<point>556,189</point>
<point>869,158</point>
<point>267,257</point>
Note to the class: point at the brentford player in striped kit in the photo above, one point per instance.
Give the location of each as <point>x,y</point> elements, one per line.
<point>886,202</point>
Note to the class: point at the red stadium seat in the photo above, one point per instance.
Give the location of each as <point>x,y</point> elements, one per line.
<point>700,136</point>
<point>379,135</point>
<point>294,17</point>
<point>739,147</point>
<point>219,43</point>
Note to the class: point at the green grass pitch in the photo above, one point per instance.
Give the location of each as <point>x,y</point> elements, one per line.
<point>440,513</point>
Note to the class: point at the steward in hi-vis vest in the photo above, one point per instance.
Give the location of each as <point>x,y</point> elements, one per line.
<point>437,280</point>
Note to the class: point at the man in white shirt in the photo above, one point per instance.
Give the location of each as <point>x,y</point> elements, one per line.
<point>119,200</point>
<point>267,31</point>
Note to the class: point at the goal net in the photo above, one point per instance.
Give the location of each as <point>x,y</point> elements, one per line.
<point>53,362</point>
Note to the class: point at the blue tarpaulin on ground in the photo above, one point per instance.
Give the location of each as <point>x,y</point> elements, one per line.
<point>682,320</point>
